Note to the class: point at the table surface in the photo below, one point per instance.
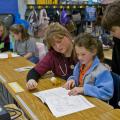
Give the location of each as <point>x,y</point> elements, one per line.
<point>108,54</point>
<point>110,115</point>
<point>30,104</point>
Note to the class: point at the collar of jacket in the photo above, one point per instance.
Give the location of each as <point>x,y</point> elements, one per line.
<point>95,63</point>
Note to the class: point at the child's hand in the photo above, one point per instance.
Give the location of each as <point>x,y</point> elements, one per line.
<point>31,84</point>
<point>69,84</point>
<point>76,90</point>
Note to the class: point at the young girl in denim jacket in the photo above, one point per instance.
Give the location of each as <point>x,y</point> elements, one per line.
<point>59,59</point>
<point>90,76</point>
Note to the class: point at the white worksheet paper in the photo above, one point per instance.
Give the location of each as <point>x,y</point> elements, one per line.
<point>5,55</point>
<point>22,69</point>
<point>60,103</point>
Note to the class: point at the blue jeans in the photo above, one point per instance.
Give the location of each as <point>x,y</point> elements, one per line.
<point>34,59</point>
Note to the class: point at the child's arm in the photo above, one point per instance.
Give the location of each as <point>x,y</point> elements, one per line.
<point>102,88</point>
<point>30,48</point>
<point>75,75</point>
<point>28,55</point>
<point>76,91</point>
<point>69,84</point>
<point>71,80</point>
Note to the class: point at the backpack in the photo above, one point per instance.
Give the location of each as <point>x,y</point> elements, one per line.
<point>36,20</point>
<point>64,19</point>
<point>43,18</point>
<point>90,14</point>
<point>76,17</point>
<point>33,22</point>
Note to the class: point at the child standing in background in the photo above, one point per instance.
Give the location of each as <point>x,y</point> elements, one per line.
<point>90,77</point>
<point>4,38</point>
<point>24,45</point>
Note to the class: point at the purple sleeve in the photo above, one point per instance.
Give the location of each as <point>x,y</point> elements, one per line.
<point>45,64</point>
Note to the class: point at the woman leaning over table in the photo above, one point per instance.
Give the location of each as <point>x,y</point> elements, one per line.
<point>59,59</point>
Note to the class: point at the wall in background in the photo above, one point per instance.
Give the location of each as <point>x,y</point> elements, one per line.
<point>9,6</point>
<point>22,8</point>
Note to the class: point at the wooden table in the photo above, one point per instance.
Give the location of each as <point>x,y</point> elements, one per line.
<point>108,54</point>
<point>30,104</point>
<point>110,115</point>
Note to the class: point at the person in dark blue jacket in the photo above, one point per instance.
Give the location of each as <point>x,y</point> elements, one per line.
<point>111,22</point>
<point>115,100</point>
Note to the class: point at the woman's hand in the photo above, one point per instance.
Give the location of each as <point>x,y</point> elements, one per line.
<point>31,84</point>
<point>69,84</point>
<point>76,91</point>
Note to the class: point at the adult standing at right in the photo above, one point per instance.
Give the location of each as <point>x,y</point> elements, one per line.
<point>111,22</point>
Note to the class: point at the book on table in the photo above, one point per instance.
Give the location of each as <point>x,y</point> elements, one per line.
<point>60,103</point>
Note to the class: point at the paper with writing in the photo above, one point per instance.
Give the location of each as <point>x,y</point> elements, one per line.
<point>60,103</point>
<point>5,55</point>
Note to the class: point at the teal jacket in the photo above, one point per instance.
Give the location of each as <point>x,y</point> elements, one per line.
<point>98,81</point>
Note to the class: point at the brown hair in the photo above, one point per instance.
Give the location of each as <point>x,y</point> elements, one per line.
<point>20,29</point>
<point>56,31</point>
<point>100,53</point>
<point>5,32</point>
<point>90,43</point>
<point>111,15</point>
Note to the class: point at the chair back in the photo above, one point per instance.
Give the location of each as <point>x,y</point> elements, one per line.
<point>115,100</point>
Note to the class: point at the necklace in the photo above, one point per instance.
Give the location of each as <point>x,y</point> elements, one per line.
<point>63,73</point>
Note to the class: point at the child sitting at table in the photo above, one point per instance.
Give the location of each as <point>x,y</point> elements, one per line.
<point>90,76</point>
<point>24,45</point>
<point>4,38</point>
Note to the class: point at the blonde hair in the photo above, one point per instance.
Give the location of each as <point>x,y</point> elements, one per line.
<point>20,29</point>
<point>56,31</point>
<point>5,32</point>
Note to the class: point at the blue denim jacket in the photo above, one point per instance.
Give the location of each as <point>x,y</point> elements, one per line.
<point>98,81</point>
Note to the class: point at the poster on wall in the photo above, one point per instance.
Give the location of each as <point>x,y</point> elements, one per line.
<point>10,7</point>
